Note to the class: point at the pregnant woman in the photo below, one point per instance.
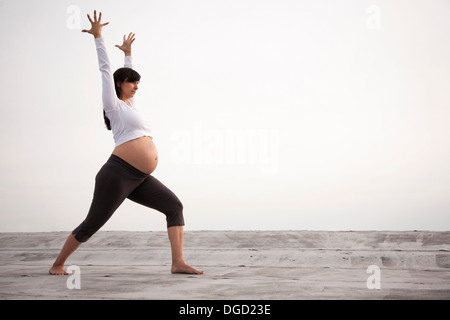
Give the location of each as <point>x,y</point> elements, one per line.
<point>127,173</point>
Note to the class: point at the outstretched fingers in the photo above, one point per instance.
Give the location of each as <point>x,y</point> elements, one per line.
<point>127,42</point>
<point>96,25</point>
<point>130,38</point>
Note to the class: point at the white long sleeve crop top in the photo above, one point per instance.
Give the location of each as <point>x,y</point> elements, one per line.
<point>126,122</point>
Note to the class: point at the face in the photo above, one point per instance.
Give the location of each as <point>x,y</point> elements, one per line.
<point>128,89</point>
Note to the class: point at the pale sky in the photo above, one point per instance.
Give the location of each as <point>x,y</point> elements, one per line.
<point>267,114</point>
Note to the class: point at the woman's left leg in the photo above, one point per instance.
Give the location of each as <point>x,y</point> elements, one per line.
<point>153,194</point>
<point>176,244</point>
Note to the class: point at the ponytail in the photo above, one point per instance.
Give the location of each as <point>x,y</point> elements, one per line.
<point>107,122</point>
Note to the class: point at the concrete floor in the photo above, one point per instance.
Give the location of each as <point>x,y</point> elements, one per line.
<point>273,265</point>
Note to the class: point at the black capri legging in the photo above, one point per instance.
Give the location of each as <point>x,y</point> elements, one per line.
<point>118,180</point>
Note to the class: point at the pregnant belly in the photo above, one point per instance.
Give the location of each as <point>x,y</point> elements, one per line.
<point>141,153</point>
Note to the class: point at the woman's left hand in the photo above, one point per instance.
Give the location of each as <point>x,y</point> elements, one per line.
<point>126,45</point>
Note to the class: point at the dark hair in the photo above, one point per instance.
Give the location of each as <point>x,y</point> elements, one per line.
<point>121,75</point>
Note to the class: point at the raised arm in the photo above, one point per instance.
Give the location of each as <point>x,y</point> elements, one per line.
<point>126,48</point>
<point>109,96</point>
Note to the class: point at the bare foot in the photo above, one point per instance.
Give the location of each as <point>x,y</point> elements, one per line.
<point>57,270</point>
<point>184,268</point>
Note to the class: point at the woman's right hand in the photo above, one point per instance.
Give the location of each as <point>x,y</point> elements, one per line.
<point>96,25</point>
